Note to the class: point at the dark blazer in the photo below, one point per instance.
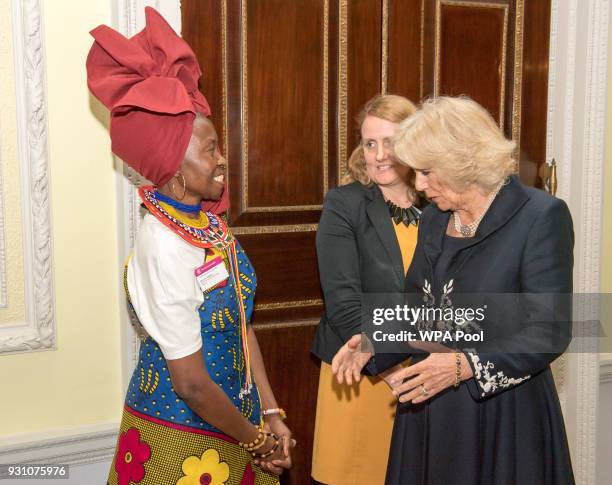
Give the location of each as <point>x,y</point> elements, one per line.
<point>358,252</point>
<point>505,422</point>
<point>523,246</point>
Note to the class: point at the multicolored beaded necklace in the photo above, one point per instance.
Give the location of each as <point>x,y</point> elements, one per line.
<point>213,235</point>
<point>209,231</point>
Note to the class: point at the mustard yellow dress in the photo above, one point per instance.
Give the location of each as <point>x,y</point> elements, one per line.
<point>353,424</point>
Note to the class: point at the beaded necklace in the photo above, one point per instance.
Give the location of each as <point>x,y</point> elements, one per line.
<point>211,232</point>
<point>407,216</point>
<point>200,222</point>
<point>469,230</point>
<point>214,234</point>
<point>189,208</point>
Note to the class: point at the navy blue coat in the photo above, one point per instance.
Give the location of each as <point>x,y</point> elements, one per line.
<point>504,426</point>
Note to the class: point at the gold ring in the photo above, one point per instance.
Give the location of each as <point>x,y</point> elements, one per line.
<point>423,390</point>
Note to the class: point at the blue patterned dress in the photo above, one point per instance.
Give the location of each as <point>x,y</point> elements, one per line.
<point>162,441</point>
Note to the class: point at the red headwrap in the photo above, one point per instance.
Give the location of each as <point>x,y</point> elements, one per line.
<point>150,84</point>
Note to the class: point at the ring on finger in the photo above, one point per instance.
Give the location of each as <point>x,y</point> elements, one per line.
<point>424,390</point>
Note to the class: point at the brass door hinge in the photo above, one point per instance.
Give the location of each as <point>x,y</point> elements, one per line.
<point>549,175</point>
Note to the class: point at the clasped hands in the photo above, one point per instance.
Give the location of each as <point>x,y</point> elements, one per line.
<point>281,459</point>
<point>416,383</point>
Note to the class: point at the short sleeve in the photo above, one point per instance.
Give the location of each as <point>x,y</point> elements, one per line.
<point>163,289</point>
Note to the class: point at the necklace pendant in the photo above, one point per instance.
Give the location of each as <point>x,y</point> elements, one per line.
<point>245,391</point>
<point>465,231</point>
<point>404,216</point>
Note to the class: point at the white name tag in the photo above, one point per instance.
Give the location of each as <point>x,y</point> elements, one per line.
<point>212,274</point>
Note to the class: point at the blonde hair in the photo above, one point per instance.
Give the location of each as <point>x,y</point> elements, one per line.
<point>460,139</point>
<point>389,107</point>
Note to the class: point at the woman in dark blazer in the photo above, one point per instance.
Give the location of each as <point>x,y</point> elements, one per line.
<point>365,241</point>
<point>481,413</point>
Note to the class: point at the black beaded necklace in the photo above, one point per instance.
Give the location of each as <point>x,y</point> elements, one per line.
<point>402,215</point>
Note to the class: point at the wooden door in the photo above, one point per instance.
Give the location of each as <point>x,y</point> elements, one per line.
<point>286,79</point>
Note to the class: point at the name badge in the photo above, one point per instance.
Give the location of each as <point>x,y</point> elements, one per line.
<point>212,274</point>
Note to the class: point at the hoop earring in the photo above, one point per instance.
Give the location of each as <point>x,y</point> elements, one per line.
<point>184,187</point>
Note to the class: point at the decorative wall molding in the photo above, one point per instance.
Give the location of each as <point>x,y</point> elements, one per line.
<point>129,15</point>
<point>384,51</point>
<point>38,331</point>
<point>576,132</point>
<point>83,445</point>
<point>343,73</point>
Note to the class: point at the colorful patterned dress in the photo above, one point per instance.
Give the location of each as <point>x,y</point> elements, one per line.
<point>162,441</point>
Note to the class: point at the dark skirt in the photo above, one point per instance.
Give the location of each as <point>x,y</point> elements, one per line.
<point>515,437</point>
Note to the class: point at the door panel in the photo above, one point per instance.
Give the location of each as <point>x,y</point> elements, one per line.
<point>274,286</point>
<point>286,106</point>
<point>405,19</point>
<point>292,379</point>
<point>472,41</point>
<point>363,62</point>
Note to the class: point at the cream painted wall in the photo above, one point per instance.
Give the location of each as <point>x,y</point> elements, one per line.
<point>80,382</point>
<point>12,266</point>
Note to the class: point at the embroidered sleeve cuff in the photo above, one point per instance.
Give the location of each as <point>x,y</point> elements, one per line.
<point>488,379</point>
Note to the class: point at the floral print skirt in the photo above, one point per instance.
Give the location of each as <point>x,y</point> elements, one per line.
<point>152,451</point>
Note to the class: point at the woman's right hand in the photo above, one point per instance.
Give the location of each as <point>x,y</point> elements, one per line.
<point>280,459</point>
<point>350,360</point>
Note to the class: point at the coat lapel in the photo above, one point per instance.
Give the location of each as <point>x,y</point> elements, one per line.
<point>378,213</point>
<point>510,199</point>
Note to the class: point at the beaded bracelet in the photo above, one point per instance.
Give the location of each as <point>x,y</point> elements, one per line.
<point>275,411</point>
<point>458,369</point>
<point>257,442</point>
<point>271,451</point>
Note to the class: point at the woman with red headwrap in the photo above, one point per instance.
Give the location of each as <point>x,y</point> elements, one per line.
<point>199,407</point>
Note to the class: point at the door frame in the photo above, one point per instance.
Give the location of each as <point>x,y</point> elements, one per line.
<point>577,101</point>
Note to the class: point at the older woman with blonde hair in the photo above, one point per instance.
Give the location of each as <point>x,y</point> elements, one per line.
<point>485,413</point>
<point>365,241</point>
